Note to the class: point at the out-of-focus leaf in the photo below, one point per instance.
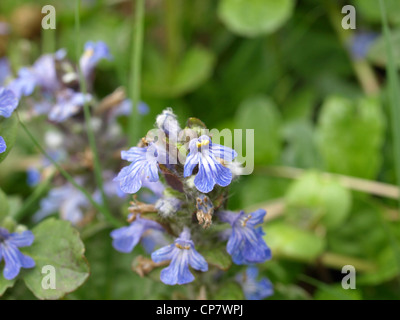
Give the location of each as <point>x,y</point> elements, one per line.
<point>370,10</point>
<point>313,199</point>
<point>336,292</point>
<point>377,52</point>
<point>5,284</point>
<point>56,244</point>
<point>229,291</point>
<point>254,17</point>
<point>290,292</point>
<point>301,150</point>
<point>387,269</point>
<point>8,130</point>
<point>193,70</point>
<point>291,242</point>
<point>218,257</point>
<point>260,114</point>
<point>350,136</point>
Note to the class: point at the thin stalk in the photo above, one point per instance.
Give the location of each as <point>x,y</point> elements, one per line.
<point>70,179</point>
<point>394,94</point>
<point>368,186</point>
<point>135,71</point>
<point>88,122</point>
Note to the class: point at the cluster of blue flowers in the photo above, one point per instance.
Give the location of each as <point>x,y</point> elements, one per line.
<point>190,200</point>
<point>181,174</point>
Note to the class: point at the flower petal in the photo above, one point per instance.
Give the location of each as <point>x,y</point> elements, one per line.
<point>23,239</point>
<point>197,261</point>
<point>3,146</point>
<point>204,180</point>
<point>8,102</point>
<point>164,253</point>
<point>223,152</point>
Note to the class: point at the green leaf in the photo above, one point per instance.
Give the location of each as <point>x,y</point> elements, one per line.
<point>5,284</point>
<point>252,18</point>
<point>336,292</point>
<point>57,244</point>
<point>387,269</point>
<point>194,69</point>
<point>377,52</point>
<point>229,291</point>
<point>291,242</point>
<point>350,136</point>
<point>217,256</point>
<point>113,278</point>
<point>369,10</point>
<point>8,130</point>
<point>313,199</point>
<point>261,114</point>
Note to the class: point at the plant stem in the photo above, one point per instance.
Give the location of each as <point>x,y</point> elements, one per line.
<point>135,71</point>
<point>367,186</point>
<point>86,110</point>
<point>69,178</point>
<point>394,95</point>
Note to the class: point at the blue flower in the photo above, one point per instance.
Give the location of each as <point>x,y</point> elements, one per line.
<point>182,254</point>
<point>5,70</point>
<point>45,72</point>
<point>126,238</point>
<point>93,53</point>
<point>66,200</point>
<point>68,104</point>
<point>144,166</point>
<point>253,289</point>
<point>8,102</point>
<point>205,153</point>
<point>13,258</point>
<point>3,146</point>
<point>246,244</point>
<point>33,176</point>
<point>24,84</point>
<point>125,109</point>
<point>153,239</point>
<point>361,43</point>
<point>167,121</point>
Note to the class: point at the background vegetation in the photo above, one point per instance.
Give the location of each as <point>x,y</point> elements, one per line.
<point>319,98</point>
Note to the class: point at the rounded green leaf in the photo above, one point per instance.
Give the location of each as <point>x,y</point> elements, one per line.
<point>193,69</point>
<point>255,17</point>
<point>350,136</point>
<point>5,284</point>
<point>261,114</point>
<point>217,256</point>
<point>291,242</point>
<point>8,130</point>
<point>313,199</point>
<point>370,10</point>
<point>56,244</point>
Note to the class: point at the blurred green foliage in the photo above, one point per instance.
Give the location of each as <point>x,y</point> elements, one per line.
<point>282,69</point>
